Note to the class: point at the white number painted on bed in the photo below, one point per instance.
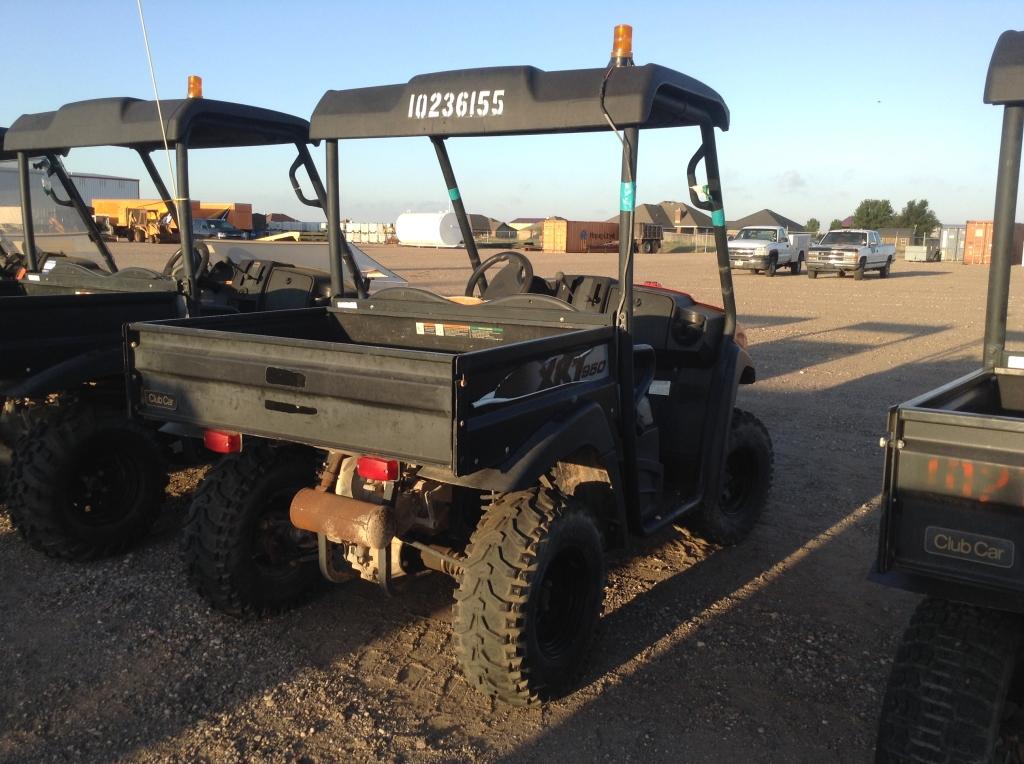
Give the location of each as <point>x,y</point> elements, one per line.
<point>474,103</point>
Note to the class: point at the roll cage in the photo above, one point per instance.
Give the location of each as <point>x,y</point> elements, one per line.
<point>190,123</point>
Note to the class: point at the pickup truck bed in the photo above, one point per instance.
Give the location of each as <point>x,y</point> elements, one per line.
<point>459,387</point>
<point>955,461</point>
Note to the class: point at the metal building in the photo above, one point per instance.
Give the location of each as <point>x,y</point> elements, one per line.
<point>92,186</point>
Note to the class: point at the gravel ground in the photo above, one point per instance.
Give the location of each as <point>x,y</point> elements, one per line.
<point>774,650</point>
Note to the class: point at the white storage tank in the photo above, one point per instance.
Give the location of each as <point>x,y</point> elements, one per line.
<point>428,229</point>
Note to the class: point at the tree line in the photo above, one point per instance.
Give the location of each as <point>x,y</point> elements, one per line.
<point>878,213</point>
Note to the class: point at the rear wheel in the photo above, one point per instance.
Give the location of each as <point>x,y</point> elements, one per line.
<point>746,482</point>
<point>794,267</point>
<point>243,554</point>
<point>85,482</point>
<point>946,700</point>
<point>530,596</point>
<point>884,271</point>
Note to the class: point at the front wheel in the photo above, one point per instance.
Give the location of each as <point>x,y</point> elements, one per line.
<point>858,273</point>
<point>773,265</point>
<point>85,482</point>
<point>242,552</point>
<point>746,482</point>
<point>946,699</point>
<point>812,274</point>
<point>530,596</point>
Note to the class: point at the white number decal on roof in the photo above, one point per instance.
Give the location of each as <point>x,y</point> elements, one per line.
<point>463,105</point>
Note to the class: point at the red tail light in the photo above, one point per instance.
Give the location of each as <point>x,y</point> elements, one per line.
<point>374,468</point>
<point>223,442</point>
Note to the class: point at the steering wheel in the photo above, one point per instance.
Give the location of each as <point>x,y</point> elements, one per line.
<point>203,264</point>
<point>514,278</point>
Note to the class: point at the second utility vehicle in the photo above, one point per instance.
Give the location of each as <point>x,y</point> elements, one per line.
<point>507,437</point>
<point>953,517</point>
<point>85,480</point>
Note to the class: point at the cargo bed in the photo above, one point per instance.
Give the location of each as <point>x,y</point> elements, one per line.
<point>956,461</point>
<point>390,378</point>
<point>40,331</point>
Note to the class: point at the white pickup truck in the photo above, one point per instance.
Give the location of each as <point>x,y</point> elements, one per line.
<point>851,251</point>
<point>767,248</point>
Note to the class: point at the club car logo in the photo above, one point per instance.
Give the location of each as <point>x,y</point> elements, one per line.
<point>160,400</point>
<point>972,547</point>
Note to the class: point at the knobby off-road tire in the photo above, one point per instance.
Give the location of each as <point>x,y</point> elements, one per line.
<point>947,690</point>
<point>14,421</point>
<point>85,482</point>
<point>749,468</point>
<point>242,553</point>
<point>530,596</point>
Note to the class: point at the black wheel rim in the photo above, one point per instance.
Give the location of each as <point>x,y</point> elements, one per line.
<point>562,607</point>
<point>106,485</point>
<point>278,547</point>
<point>740,476</point>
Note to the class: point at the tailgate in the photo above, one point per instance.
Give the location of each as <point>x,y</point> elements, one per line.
<point>954,499</point>
<point>265,381</point>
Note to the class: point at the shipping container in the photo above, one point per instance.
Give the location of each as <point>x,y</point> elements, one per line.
<point>579,235</point>
<point>951,242</point>
<point>978,242</point>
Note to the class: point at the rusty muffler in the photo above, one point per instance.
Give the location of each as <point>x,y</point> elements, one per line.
<point>342,519</point>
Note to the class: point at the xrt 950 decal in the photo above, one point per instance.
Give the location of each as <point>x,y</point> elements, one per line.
<point>535,376</point>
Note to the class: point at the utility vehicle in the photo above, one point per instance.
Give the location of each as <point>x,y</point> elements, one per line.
<point>953,517</point>
<point>85,480</point>
<point>508,436</point>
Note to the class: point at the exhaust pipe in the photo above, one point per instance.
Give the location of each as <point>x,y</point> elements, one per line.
<point>342,519</point>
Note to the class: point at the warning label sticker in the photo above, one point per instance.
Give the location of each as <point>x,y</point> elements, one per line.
<point>465,331</point>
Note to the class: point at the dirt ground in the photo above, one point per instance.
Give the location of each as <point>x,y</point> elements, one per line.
<point>774,650</point>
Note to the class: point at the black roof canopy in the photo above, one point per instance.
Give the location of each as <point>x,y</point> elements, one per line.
<point>134,123</point>
<point>1005,81</point>
<point>5,155</point>
<point>518,100</point>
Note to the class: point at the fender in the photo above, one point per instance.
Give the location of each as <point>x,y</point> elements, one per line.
<point>746,374</point>
<point>585,428</point>
<point>87,367</point>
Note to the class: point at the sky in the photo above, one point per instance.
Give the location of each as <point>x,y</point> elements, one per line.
<point>830,103</point>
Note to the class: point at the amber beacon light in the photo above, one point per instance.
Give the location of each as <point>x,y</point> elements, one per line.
<point>195,86</point>
<point>622,47</point>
